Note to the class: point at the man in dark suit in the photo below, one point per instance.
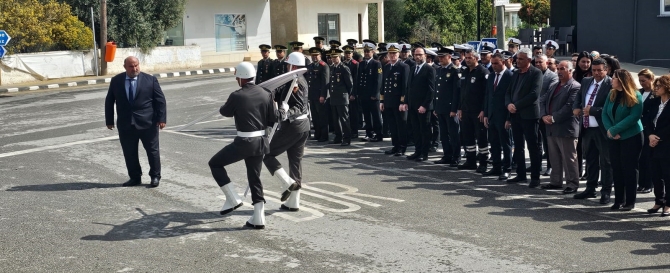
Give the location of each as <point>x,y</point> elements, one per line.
<point>522,101</point>
<point>264,71</point>
<point>141,111</point>
<point>446,106</point>
<point>497,118</point>
<point>548,78</point>
<point>354,105</point>
<point>419,104</point>
<point>369,83</point>
<point>395,83</point>
<point>562,129</point>
<point>589,104</point>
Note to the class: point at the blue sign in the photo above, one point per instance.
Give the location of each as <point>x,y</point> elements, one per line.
<point>2,51</point>
<point>4,38</point>
<point>475,45</point>
<point>491,40</point>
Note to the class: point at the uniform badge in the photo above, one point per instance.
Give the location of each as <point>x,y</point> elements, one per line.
<point>395,85</point>
<point>448,75</point>
<point>379,70</point>
<point>486,76</point>
<point>473,79</point>
<point>460,75</point>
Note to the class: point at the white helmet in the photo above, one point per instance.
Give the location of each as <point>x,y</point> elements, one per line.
<point>245,70</point>
<point>296,58</point>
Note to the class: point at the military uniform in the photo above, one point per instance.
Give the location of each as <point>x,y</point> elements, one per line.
<point>341,84</point>
<point>264,68</point>
<point>354,105</point>
<point>369,82</point>
<point>395,84</point>
<point>472,98</point>
<point>318,81</point>
<point>279,67</point>
<point>446,102</point>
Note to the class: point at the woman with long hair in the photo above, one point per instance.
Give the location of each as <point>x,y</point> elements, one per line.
<point>659,141</point>
<point>646,79</point>
<point>621,118</point>
<point>583,68</point>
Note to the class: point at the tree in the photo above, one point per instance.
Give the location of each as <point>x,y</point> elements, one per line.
<point>37,26</point>
<point>134,23</point>
<point>534,12</point>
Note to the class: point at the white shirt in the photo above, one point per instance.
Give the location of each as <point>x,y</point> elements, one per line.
<point>592,119</point>
<point>660,110</point>
<point>499,74</point>
<point>645,95</point>
<point>418,68</point>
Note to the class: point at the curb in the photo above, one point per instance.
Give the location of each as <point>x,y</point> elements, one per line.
<point>107,80</point>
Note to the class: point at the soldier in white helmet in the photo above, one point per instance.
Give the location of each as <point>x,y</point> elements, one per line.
<point>253,110</point>
<point>291,136</point>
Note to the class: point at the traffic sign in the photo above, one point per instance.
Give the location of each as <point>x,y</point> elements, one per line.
<point>501,2</point>
<point>4,38</point>
<point>2,51</point>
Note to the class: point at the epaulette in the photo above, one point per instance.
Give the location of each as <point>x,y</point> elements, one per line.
<point>354,62</point>
<point>322,63</point>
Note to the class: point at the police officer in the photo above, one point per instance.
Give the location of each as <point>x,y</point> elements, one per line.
<point>278,65</point>
<point>264,71</point>
<point>471,114</point>
<point>485,54</point>
<point>318,80</point>
<point>369,82</point>
<point>446,107</point>
<point>354,105</point>
<point>297,47</point>
<point>341,85</point>
<point>395,83</point>
<point>253,110</point>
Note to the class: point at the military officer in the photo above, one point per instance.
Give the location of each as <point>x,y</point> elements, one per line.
<point>264,71</point>
<point>369,82</point>
<point>341,84</point>
<point>395,83</point>
<point>431,57</point>
<point>318,79</point>
<point>550,47</point>
<point>446,107</point>
<point>404,54</point>
<point>357,56</point>
<point>354,105</point>
<point>278,66</point>
<point>297,47</point>
<point>318,43</point>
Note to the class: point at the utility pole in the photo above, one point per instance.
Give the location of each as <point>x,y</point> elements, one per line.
<point>479,20</point>
<point>103,36</point>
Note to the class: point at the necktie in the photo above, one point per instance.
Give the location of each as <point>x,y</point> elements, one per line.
<point>417,70</point>
<point>591,98</point>
<point>131,91</point>
<point>495,84</point>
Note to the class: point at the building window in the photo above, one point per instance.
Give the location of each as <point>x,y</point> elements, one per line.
<point>329,26</point>
<point>665,7</point>
<point>174,36</point>
<point>230,32</point>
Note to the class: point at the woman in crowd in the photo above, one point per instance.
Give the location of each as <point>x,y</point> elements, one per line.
<point>582,70</point>
<point>659,141</point>
<point>646,79</point>
<point>621,118</point>
<point>612,63</point>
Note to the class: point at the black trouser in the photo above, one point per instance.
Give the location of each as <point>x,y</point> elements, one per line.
<point>435,129</point>
<point>661,178</point>
<point>354,117</point>
<point>624,156</point>
<point>129,139</point>
<point>580,155</point>
<point>372,116</point>
<point>320,119</point>
<point>340,116</point>
<point>331,121</point>
<point>474,131</point>
<point>543,141</point>
<point>294,146</point>
<point>645,165</point>
<point>501,144</point>
<point>421,124</point>
<point>409,129</point>
<point>450,137</point>
<point>234,153</point>
<point>596,150</point>
<point>397,122</point>
<point>525,131</point>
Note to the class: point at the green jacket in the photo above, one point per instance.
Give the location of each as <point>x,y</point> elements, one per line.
<point>627,122</point>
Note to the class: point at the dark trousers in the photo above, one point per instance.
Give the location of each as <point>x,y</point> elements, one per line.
<point>435,129</point>
<point>501,144</point>
<point>231,154</point>
<point>624,156</point>
<point>473,131</point>
<point>450,138</point>
<point>320,119</point>
<point>645,165</point>
<point>580,156</point>
<point>294,146</point>
<point>372,117</point>
<point>661,178</point>
<point>130,139</point>
<point>543,142</point>
<point>340,116</point>
<point>422,127</point>
<point>397,122</point>
<point>597,151</point>
<point>525,131</point>
<point>354,117</point>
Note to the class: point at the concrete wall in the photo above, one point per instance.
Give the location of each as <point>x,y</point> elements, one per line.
<point>284,20</point>
<point>348,11</point>
<point>199,28</point>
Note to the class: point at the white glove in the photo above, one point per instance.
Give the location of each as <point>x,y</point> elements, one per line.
<point>284,106</point>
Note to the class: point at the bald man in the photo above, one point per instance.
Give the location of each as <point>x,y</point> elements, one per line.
<point>141,112</point>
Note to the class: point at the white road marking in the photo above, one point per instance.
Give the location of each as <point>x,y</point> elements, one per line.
<point>52,147</point>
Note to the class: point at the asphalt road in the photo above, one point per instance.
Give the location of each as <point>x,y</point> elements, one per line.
<point>62,208</point>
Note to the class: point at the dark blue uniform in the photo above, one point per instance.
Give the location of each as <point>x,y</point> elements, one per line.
<point>395,84</point>
<point>318,78</point>
<point>446,102</point>
<point>369,83</point>
<point>472,96</point>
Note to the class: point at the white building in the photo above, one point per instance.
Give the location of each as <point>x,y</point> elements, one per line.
<point>232,30</point>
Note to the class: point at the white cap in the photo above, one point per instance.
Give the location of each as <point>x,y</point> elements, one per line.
<point>552,43</point>
<point>486,43</point>
<point>369,45</point>
<point>430,52</point>
<point>296,58</point>
<point>514,41</point>
<point>245,70</point>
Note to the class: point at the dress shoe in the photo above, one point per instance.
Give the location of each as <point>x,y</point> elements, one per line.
<point>639,189</point>
<point>400,152</point>
<point>345,143</point>
<point>534,183</point>
<point>453,164</point>
<point>432,149</point>
<point>468,166</point>
<point>376,139</point>
<point>154,182</point>
<point>655,209</point>
<point>551,187</point>
<point>547,172</point>
<point>410,144</point>
<point>413,156</point>
<point>335,142</point>
<point>616,206</point>
<point>482,167</point>
<point>627,207</point>
<point>493,172</point>
<point>645,190</point>
<point>421,158</point>
<point>132,182</point>
<point>323,140</point>
<point>665,213</point>
<point>365,139</point>
<point>604,198</point>
<point>503,177</point>
<point>588,193</point>
<point>517,179</point>
<point>393,151</point>
<point>443,161</point>
<point>569,190</point>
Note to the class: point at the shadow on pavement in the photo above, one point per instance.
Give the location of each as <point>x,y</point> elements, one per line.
<point>72,186</point>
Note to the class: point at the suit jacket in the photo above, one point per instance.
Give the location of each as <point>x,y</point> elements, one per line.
<point>598,103</point>
<point>559,106</point>
<point>495,99</point>
<point>626,123</point>
<point>395,83</point>
<point>421,88</point>
<point>369,79</point>
<point>149,106</point>
<point>524,93</point>
<point>647,118</point>
<point>446,96</point>
<point>660,129</point>
<point>264,70</point>
<point>549,78</point>
<point>341,84</point>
